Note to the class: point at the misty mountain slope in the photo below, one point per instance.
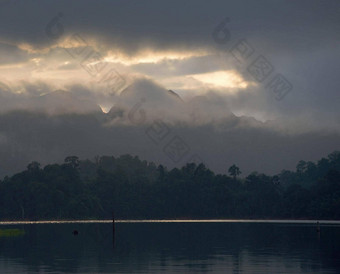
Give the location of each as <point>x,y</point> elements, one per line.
<point>155,101</point>
<point>154,123</point>
<point>53,103</point>
<point>61,101</point>
<point>27,136</point>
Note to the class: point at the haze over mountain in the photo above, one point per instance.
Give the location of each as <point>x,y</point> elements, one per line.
<point>144,118</point>
<point>78,82</point>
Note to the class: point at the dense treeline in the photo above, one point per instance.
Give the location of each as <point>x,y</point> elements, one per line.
<point>137,189</point>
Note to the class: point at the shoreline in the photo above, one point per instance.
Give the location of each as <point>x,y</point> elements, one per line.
<point>278,221</point>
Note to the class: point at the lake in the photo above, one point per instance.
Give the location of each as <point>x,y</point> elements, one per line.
<point>170,247</point>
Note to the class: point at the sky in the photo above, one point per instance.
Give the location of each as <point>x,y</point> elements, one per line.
<point>253,83</point>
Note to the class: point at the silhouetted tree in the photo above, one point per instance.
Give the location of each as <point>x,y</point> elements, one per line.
<point>234,171</point>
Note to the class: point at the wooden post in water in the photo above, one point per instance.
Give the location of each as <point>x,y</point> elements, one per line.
<point>113,229</point>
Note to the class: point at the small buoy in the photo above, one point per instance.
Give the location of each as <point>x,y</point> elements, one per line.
<point>75,232</point>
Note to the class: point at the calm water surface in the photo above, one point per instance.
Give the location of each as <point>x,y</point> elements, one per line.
<point>170,247</point>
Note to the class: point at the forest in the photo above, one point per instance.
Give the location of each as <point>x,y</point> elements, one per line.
<point>137,189</point>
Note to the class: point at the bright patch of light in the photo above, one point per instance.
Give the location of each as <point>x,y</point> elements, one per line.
<point>150,57</point>
<point>105,109</point>
<point>226,79</point>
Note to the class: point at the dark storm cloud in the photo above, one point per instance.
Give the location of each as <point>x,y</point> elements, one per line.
<point>278,25</point>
